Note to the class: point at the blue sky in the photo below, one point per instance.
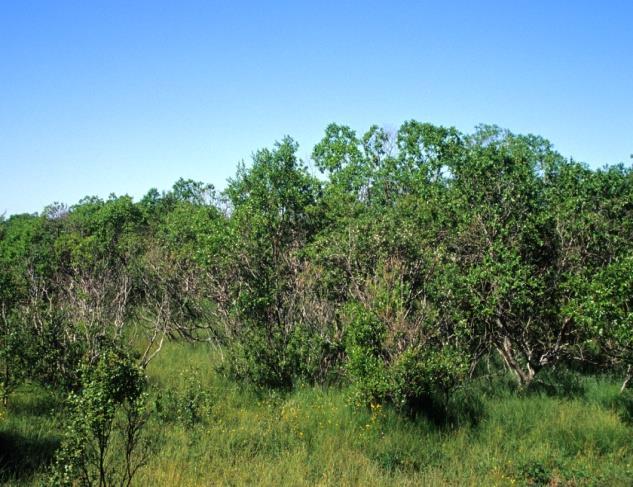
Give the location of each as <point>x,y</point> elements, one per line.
<point>106,96</point>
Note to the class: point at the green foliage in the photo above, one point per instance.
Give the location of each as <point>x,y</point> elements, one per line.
<point>102,440</point>
<point>425,378</point>
<point>365,360</point>
<point>37,346</point>
<point>625,406</point>
<point>558,382</point>
<point>186,405</point>
<point>272,216</point>
<point>536,473</point>
<point>311,436</point>
<point>262,358</point>
<point>418,254</point>
<point>420,378</point>
<point>12,359</point>
<point>281,360</point>
<point>318,356</point>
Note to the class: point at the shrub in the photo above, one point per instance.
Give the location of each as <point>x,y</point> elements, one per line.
<point>318,356</point>
<point>102,443</point>
<point>365,356</point>
<point>262,358</point>
<point>420,378</point>
<point>187,405</point>
<point>424,379</point>
<point>559,381</point>
<point>625,406</point>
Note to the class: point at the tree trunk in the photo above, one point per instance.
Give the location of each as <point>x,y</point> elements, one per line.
<point>505,350</point>
<point>629,375</point>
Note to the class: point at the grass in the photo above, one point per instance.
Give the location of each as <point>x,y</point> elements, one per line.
<point>29,434</point>
<point>209,431</point>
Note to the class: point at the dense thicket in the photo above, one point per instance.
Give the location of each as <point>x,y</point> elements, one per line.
<point>410,259</point>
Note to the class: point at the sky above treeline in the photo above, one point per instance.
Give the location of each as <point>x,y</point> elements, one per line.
<point>118,96</point>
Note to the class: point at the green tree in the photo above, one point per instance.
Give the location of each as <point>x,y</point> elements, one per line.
<point>272,216</point>
<point>103,443</point>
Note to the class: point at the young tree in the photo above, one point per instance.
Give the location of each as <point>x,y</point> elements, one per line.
<point>272,216</point>
<point>103,443</point>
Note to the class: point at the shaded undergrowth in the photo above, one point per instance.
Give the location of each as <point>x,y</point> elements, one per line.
<point>29,434</point>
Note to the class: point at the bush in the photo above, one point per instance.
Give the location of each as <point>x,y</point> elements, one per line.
<point>536,473</point>
<point>366,362</point>
<point>13,366</point>
<point>262,358</point>
<point>43,354</point>
<point>278,359</point>
<point>417,379</point>
<point>560,382</point>
<point>187,406</point>
<point>102,443</point>
<point>318,357</point>
<point>625,406</point>
<point>425,378</point>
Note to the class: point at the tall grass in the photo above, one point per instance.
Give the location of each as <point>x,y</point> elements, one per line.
<point>209,431</point>
<point>29,434</point>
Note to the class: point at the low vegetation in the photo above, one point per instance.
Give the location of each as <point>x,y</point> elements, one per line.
<point>436,307</point>
<point>208,430</point>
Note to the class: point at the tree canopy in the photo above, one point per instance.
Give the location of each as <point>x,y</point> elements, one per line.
<point>410,258</point>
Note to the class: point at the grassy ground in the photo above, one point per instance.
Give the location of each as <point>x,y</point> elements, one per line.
<point>208,431</point>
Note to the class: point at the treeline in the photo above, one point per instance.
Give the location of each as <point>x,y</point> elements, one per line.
<point>414,258</point>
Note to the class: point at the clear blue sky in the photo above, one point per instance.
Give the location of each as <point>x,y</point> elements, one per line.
<point>120,96</point>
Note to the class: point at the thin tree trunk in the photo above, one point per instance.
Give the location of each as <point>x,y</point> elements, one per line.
<point>629,375</point>
<point>505,350</point>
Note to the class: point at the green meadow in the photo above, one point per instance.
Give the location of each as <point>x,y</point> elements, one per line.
<point>207,430</point>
